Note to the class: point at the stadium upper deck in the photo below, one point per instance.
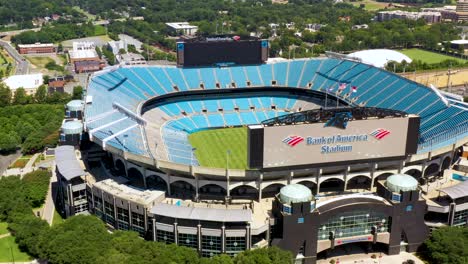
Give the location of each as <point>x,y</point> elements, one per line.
<point>443,120</point>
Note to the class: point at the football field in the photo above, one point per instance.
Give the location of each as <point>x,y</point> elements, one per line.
<point>218,148</point>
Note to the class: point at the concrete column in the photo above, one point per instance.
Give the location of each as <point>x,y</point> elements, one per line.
<point>259,186</point>
<point>291,176</point>
<point>169,184</point>
<point>196,187</point>
<point>372,173</point>
<point>145,218</point>
<point>319,173</point>
<point>199,237</point>
<point>223,239</point>
<point>228,192</point>
<point>71,203</point>
<point>126,167</point>
<point>176,234</point>
<point>451,215</point>
<point>92,197</point>
<point>346,172</point>
<point>129,216</point>
<point>423,168</point>
<point>248,238</point>
<point>116,220</point>
<point>154,228</point>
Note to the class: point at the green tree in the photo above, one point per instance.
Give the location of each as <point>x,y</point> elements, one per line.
<point>8,142</point>
<point>27,230</point>
<point>79,240</point>
<point>271,255</point>
<point>77,92</point>
<point>41,94</point>
<point>447,245</point>
<point>5,95</point>
<point>20,98</point>
<point>37,185</point>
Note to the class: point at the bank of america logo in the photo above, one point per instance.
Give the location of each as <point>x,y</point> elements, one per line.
<point>293,140</point>
<point>380,133</point>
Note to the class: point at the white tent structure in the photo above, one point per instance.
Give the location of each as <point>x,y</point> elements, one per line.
<point>379,57</point>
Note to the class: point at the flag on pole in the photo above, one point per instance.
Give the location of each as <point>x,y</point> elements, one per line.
<point>354,89</point>
<point>342,86</point>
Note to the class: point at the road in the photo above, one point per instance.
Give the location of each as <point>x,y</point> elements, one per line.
<point>22,65</point>
<point>5,161</point>
<point>49,207</point>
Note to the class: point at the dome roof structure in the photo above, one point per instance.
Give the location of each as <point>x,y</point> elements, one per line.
<point>295,193</point>
<point>75,105</point>
<point>401,182</point>
<point>72,127</point>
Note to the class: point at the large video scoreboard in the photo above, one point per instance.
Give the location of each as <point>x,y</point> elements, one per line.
<point>317,144</point>
<point>222,51</point>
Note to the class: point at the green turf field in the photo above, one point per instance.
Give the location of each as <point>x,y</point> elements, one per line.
<point>427,56</point>
<point>212,147</point>
<point>9,251</point>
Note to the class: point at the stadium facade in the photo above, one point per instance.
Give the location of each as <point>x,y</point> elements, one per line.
<point>338,130</point>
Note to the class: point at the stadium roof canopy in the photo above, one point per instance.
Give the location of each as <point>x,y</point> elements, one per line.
<point>379,57</point>
<point>67,164</point>
<point>203,214</point>
<point>456,191</point>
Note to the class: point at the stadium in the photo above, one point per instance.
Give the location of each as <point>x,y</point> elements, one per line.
<point>228,157</point>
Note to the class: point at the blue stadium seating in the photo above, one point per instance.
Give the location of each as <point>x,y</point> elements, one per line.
<point>130,86</point>
<point>253,76</point>
<point>192,78</point>
<point>238,76</point>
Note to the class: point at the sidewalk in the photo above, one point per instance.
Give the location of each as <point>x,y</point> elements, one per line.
<point>29,167</point>
<point>49,207</point>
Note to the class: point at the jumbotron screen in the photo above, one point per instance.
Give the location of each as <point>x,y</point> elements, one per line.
<point>222,52</point>
<point>308,144</point>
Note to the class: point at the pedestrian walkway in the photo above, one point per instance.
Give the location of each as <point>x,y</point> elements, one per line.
<point>29,167</point>
<point>49,207</point>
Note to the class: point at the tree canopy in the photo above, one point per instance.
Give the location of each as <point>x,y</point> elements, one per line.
<point>447,245</point>
<point>31,127</point>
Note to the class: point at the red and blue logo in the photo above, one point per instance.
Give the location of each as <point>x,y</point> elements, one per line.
<point>380,133</point>
<point>293,140</point>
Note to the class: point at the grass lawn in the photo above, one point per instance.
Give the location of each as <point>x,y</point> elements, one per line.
<point>427,56</point>
<point>57,218</point>
<point>370,5</point>
<point>39,61</point>
<point>212,147</point>
<point>3,228</point>
<point>99,30</point>
<point>10,252</point>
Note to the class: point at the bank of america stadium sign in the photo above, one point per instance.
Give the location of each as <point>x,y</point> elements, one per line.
<point>336,143</point>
